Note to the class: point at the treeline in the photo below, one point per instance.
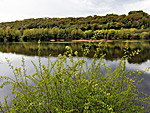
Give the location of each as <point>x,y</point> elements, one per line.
<point>135,25</point>
<point>56,34</point>
<point>134,19</point>
<point>43,34</point>
<point>122,34</point>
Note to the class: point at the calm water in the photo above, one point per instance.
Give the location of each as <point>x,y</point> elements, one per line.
<point>114,51</point>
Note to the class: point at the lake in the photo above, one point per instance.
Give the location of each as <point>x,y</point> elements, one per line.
<point>113,50</point>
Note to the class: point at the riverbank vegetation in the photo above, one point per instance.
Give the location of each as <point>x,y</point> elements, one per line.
<point>135,25</point>
<point>70,84</point>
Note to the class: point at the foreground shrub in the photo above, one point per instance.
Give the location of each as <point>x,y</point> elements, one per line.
<point>72,85</point>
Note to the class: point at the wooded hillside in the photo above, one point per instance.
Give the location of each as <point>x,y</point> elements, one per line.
<point>111,26</point>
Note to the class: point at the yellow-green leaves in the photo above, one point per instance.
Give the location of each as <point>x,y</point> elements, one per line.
<point>70,84</point>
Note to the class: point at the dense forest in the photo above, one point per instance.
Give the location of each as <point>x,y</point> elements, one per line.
<point>135,25</point>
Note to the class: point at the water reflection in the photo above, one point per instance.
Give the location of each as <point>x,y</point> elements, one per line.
<point>114,51</point>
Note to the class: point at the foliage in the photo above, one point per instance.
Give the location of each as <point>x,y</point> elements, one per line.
<point>72,85</point>
<point>57,34</point>
<point>88,34</point>
<point>110,21</point>
<point>1,35</point>
<point>74,28</point>
<point>145,35</point>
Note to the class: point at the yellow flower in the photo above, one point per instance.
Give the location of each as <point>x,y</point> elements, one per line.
<point>108,94</point>
<point>40,104</point>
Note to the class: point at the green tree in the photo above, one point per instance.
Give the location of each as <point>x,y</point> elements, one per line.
<point>8,34</point>
<point>2,34</point>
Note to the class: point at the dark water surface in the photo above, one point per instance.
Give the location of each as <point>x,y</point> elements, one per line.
<point>114,51</point>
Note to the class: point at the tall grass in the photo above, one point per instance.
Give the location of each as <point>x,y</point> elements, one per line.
<point>71,86</point>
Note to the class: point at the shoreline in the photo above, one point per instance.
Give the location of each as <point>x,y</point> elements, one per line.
<point>105,40</point>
